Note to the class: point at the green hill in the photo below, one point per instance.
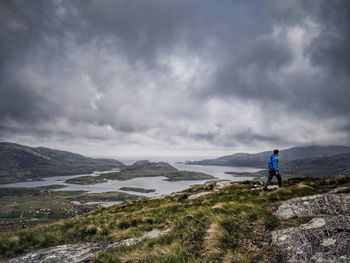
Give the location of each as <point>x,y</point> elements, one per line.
<point>214,222</point>
<point>23,163</point>
<point>287,155</point>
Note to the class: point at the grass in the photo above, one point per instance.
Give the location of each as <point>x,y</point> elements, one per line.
<point>105,196</point>
<point>229,225</point>
<point>25,207</point>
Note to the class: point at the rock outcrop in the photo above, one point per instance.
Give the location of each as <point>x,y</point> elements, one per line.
<point>315,205</point>
<point>79,252</point>
<point>325,238</point>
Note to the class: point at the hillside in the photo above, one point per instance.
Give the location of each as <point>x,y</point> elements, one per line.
<point>25,207</point>
<point>313,167</point>
<point>259,159</point>
<point>21,163</point>
<point>214,222</point>
<point>318,166</point>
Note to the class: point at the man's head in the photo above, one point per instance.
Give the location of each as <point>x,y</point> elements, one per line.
<point>276,151</point>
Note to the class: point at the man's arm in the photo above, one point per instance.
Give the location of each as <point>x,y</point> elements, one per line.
<point>275,164</point>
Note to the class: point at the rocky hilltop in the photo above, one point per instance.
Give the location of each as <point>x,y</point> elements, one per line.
<point>305,221</point>
<point>21,163</point>
<point>325,238</point>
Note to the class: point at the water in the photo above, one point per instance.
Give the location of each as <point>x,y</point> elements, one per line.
<point>159,183</point>
<point>218,171</point>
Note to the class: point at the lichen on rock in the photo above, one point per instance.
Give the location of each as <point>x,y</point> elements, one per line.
<point>325,238</point>
<point>315,205</point>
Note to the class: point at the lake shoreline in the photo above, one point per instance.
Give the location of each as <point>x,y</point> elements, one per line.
<point>162,185</point>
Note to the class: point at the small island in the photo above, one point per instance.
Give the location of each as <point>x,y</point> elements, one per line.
<point>143,169</point>
<point>85,180</point>
<point>137,189</point>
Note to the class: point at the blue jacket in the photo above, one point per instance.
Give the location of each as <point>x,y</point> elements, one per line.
<point>273,162</point>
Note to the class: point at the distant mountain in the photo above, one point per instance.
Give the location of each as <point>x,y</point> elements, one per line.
<point>318,166</point>
<point>260,159</point>
<point>22,163</point>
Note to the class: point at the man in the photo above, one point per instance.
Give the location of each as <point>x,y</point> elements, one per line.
<point>273,169</point>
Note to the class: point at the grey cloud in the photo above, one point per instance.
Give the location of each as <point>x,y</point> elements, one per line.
<point>166,72</point>
<point>331,48</point>
<point>330,51</point>
<point>249,75</point>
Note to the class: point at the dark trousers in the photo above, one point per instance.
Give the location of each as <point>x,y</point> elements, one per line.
<point>272,173</point>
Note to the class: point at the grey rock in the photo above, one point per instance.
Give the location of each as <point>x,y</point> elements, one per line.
<point>315,205</point>
<point>272,187</point>
<point>339,190</point>
<point>222,184</point>
<point>195,196</point>
<point>79,252</point>
<point>323,239</point>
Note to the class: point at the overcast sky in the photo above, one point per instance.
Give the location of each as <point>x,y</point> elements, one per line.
<point>158,77</point>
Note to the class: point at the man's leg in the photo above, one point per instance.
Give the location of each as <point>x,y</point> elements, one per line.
<point>269,177</point>
<point>279,178</point>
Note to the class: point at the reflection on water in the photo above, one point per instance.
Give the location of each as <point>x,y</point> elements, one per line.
<point>159,183</point>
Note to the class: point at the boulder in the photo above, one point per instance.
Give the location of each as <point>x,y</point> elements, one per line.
<point>315,205</point>
<point>323,239</point>
<point>79,252</point>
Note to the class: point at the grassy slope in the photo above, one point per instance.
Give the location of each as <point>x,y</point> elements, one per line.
<point>24,207</point>
<point>229,225</point>
<point>23,163</point>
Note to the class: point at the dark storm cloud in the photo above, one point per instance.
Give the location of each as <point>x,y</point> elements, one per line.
<point>24,27</point>
<point>324,91</point>
<point>330,51</point>
<point>212,73</point>
<point>331,47</point>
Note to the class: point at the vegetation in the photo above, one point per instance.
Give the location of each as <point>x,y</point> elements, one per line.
<point>171,175</point>
<point>304,155</point>
<point>23,163</point>
<point>25,207</point>
<point>136,189</point>
<point>105,196</point>
<point>259,174</point>
<point>83,180</point>
<point>231,224</point>
<point>143,169</point>
<point>308,167</point>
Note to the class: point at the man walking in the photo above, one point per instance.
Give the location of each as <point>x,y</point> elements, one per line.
<point>273,169</point>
